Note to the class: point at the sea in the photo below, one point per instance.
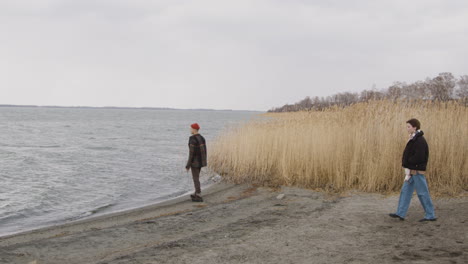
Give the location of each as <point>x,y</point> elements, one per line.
<point>59,165</point>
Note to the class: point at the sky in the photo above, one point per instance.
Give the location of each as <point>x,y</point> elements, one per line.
<point>241,55</point>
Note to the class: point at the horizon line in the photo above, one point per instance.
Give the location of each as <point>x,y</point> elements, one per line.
<point>125,107</point>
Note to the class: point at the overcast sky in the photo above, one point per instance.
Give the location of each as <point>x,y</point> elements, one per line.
<point>221,54</point>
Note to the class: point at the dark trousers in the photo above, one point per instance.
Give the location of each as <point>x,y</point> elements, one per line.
<point>196,179</point>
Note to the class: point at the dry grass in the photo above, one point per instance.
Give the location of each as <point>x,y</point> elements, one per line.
<point>358,147</point>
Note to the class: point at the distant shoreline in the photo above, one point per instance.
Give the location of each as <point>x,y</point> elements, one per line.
<point>124,108</point>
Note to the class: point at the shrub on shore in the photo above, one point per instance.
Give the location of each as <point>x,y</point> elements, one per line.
<point>356,147</point>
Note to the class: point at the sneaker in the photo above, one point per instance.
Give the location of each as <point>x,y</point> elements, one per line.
<point>426,220</point>
<point>396,216</point>
<point>195,195</point>
<point>197,199</point>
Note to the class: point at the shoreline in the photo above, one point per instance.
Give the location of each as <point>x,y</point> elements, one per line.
<point>251,224</point>
<point>207,185</point>
<point>124,215</point>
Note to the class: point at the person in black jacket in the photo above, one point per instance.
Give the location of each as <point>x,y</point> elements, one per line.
<point>414,162</point>
<point>196,160</point>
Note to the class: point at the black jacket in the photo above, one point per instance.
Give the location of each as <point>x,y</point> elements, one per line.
<point>416,153</point>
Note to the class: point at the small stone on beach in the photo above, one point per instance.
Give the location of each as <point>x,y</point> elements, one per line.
<point>281,196</point>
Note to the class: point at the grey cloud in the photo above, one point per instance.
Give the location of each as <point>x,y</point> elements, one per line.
<point>237,54</point>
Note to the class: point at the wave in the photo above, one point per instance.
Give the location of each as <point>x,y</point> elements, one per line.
<point>50,146</point>
<point>30,146</point>
<point>91,212</point>
<point>100,148</point>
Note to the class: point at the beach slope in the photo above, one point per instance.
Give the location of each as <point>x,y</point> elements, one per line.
<point>248,224</point>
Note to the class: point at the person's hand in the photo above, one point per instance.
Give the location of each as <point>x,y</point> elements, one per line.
<point>407,177</point>
<point>187,169</point>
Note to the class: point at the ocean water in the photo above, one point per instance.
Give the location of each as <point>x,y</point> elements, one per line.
<point>63,164</point>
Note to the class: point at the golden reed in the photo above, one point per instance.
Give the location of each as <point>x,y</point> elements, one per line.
<point>357,147</point>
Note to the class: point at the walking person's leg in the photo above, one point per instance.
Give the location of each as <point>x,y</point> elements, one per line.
<point>405,197</point>
<point>424,196</point>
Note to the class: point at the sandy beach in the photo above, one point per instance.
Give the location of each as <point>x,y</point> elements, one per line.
<point>248,224</point>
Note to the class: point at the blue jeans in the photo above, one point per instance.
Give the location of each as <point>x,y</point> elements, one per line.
<point>419,183</point>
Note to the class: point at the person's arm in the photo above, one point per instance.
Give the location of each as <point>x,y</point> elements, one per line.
<point>191,153</point>
<point>203,154</point>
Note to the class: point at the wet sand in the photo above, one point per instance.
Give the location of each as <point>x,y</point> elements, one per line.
<point>246,224</point>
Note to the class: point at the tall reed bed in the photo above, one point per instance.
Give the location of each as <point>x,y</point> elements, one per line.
<point>357,147</point>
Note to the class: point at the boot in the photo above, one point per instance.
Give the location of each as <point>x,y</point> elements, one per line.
<point>196,197</point>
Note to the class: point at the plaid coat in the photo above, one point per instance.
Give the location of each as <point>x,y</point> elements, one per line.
<point>197,154</point>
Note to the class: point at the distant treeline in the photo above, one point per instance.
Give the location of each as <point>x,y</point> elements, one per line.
<point>444,87</point>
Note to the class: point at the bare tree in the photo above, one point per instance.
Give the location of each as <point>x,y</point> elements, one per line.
<point>422,89</point>
<point>442,86</point>
<point>395,91</point>
<point>306,103</point>
<point>417,90</point>
<point>345,99</point>
<point>368,95</point>
<point>462,91</point>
